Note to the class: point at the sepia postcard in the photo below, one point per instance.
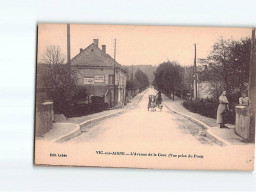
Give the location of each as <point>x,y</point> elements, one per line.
<point>155,97</point>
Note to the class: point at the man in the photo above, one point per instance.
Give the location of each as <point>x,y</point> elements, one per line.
<point>159,97</point>
<point>244,101</point>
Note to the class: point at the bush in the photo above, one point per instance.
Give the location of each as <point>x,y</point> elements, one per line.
<point>85,109</point>
<point>208,108</point>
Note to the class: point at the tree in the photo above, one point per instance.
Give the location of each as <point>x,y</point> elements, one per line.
<point>132,84</point>
<point>168,77</point>
<point>142,78</point>
<point>227,66</point>
<point>53,55</point>
<point>57,78</point>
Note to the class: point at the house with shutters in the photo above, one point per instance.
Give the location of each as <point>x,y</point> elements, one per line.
<point>95,72</point>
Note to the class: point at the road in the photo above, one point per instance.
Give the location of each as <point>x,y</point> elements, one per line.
<point>143,139</point>
<point>143,128</point>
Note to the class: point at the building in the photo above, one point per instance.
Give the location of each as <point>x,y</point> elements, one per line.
<point>95,72</point>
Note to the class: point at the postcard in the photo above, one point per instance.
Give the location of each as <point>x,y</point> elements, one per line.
<point>140,96</point>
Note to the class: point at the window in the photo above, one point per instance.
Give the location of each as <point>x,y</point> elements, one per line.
<point>111,80</point>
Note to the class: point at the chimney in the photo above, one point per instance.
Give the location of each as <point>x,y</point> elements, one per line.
<point>81,49</point>
<point>104,48</point>
<point>96,42</point>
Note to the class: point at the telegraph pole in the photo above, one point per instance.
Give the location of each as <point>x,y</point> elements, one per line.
<point>115,74</point>
<point>252,89</point>
<point>195,76</point>
<point>132,80</point>
<point>69,69</point>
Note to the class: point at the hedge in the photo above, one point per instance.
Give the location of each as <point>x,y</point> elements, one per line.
<point>208,108</point>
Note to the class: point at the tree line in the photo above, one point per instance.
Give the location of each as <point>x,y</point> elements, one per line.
<point>137,81</point>
<point>225,68</point>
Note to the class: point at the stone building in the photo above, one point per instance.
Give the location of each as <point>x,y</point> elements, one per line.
<point>95,72</point>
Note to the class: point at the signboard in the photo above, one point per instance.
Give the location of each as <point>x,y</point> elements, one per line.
<point>99,79</point>
<point>88,81</point>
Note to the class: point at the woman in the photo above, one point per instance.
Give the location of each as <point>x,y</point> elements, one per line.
<point>223,106</point>
<point>244,101</point>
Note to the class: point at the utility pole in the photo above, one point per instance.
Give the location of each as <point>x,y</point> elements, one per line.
<point>115,74</point>
<point>195,76</point>
<point>132,80</point>
<point>69,69</point>
<point>252,89</point>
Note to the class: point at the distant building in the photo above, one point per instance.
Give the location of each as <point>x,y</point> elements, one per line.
<point>95,71</point>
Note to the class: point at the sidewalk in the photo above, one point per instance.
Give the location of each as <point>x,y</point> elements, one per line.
<point>70,128</point>
<point>59,130</point>
<point>221,136</point>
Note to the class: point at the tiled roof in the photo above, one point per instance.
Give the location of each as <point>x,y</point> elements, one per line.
<point>93,56</point>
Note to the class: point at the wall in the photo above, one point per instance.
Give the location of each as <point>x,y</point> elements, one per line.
<point>242,121</point>
<point>44,117</point>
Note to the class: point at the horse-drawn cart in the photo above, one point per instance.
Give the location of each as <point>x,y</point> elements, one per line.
<point>154,103</point>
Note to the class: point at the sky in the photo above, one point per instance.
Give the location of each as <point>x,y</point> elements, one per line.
<point>139,45</point>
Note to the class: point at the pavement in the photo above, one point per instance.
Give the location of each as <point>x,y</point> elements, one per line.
<point>67,129</point>
<point>224,136</point>
<point>58,130</point>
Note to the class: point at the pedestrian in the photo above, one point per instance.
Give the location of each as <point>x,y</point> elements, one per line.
<point>223,106</point>
<point>159,98</point>
<point>149,101</point>
<point>244,101</point>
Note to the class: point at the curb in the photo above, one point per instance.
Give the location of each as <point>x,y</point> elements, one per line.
<point>208,132</point>
<point>74,133</point>
<point>90,121</point>
<point>77,131</point>
<point>85,123</point>
<point>216,138</point>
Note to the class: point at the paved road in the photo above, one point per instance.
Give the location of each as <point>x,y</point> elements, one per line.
<point>144,129</point>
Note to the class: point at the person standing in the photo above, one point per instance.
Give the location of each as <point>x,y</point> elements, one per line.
<point>223,106</point>
<point>159,98</point>
<point>244,101</point>
<point>149,101</point>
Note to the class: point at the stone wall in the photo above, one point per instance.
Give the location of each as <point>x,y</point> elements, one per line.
<point>44,117</point>
<point>242,121</point>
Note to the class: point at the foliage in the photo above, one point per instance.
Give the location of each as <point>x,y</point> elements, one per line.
<point>208,108</point>
<point>142,79</point>
<point>168,76</point>
<point>78,109</point>
<point>53,55</point>
<point>58,79</point>
<point>227,66</point>
<point>132,84</point>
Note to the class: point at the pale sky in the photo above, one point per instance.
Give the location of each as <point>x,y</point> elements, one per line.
<point>145,45</point>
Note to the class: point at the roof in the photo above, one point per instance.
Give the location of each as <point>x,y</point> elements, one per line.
<point>94,56</point>
<point>99,91</point>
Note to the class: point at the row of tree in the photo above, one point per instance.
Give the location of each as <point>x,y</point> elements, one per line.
<point>225,68</point>
<point>168,77</point>
<point>138,81</point>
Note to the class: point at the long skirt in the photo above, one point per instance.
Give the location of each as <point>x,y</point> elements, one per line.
<point>220,112</point>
